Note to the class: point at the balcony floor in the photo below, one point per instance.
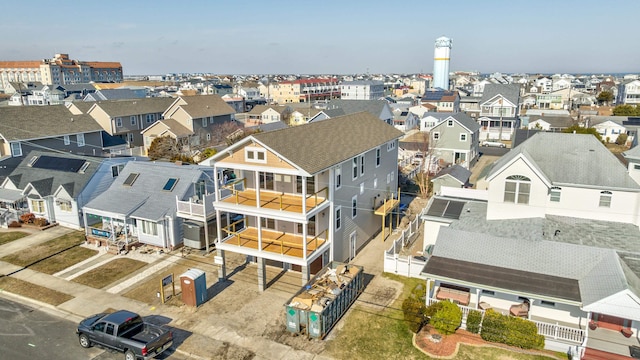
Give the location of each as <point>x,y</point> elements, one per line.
<point>275,242</point>
<point>611,341</point>
<point>273,200</point>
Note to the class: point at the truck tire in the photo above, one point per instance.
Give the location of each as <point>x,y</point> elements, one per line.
<point>129,355</point>
<point>84,341</point>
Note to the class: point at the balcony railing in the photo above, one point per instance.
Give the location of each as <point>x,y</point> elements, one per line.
<point>196,207</point>
<point>273,241</point>
<point>277,200</point>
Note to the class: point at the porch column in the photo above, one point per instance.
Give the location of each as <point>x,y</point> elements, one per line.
<point>219,225</point>
<point>262,274</point>
<point>477,298</point>
<point>530,307</point>
<point>304,241</point>
<point>257,184</point>
<point>259,226</point>
<point>86,224</point>
<point>306,275</point>
<point>222,273</point>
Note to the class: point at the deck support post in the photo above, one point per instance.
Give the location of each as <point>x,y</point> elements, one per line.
<point>262,274</point>
<point>306,275</point>
<point>222,274</point>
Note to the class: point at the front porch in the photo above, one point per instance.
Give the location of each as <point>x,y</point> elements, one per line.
<point>608,341</point>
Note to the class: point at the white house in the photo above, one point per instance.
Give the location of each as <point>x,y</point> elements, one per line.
<point>629,92</point>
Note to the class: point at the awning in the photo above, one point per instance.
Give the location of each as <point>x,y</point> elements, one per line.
<point>9,195</point>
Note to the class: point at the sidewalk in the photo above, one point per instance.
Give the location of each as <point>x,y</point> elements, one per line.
<point>197,335</point>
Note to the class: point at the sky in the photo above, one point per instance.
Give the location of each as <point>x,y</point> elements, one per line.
<point>328,37</point>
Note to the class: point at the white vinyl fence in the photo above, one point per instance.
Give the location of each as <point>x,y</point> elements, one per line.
<point>409,266</point>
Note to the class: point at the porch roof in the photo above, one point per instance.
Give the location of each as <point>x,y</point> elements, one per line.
<point>503,278</point>
<point>10,195</point>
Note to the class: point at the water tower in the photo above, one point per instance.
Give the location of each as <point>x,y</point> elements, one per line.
<point>441,63</point>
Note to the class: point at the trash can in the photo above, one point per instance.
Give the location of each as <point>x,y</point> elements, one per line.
<point>194,287</point>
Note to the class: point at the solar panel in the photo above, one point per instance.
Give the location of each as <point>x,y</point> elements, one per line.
<point>170,184</point>
<point>446,209</point>
<point>437,207</point>
<point>58,163</point>
<point>454,210</point>
<point>131,179</point>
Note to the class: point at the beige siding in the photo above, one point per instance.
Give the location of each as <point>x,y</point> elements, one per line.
<point>272,160</point>
<point>102,118</point>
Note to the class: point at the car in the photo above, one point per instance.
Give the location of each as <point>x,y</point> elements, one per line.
<point>493,144</point>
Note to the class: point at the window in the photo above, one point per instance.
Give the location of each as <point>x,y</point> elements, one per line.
<point>355,168</point>
<point>37,206</point>
<point>110,329</point>
<point>268,223</point>
<point>204,122</point>
<point>338,217</point>
<point>436,135</point>
<point>547,303</point>
<point>64,205</point>
<point>377,157</point>
<point>211,120</point>
<point>67,140</point>
<point>605,199</point>
<point>80,140</point>
<point>116,169</point>
<point>338,177</point>
<point>391,145</point>
<point>170,184</point>
<point>463,137</point>
<point>488,292</point>
<point>636,167</point>
<point>255,155</point>
<point>131,179</point>
<point>208,137</point>
<point>118,122</point>
<point>516,189</point>
<point>266,181</point>
<point>361,165</point>
<point>554,194</point>
<point>449,123</point>
<point>354,206</point>
<point>16,149</point>
<point>133,120</point>
<point>150,118</point>
<point>149,228</point>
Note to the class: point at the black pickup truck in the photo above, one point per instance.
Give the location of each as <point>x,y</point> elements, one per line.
<point>124,331</point>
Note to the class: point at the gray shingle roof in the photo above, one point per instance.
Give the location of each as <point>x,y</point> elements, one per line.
<point>112,94</point>
<point>457,172</point>
<point>466,121</point>
<point>145,199</point>
<point>135,106</point>
<point>510,92</point>
<point>199,106</point>
<point>38,122</point>
<point>577,159</point>
<point>320,145</point>
<point>597,270</point>
<point>375,107</point>
<point>554,121</point>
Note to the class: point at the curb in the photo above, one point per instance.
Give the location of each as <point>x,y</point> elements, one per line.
<point>48,308</point>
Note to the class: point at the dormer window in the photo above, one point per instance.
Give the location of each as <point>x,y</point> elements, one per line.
<point>517,189</point>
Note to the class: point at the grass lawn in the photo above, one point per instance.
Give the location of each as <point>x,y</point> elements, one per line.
<point>109,272</point>
<point>373,334</point>
<point>53,255</point>
<point>33,291</point>
<point>7,237</point>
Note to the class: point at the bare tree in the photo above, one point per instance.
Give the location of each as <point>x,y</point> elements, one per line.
<point>427,146</point>
<point>168,148</point>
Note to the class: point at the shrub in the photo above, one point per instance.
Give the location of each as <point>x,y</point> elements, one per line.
<point>511,330</point>
<point>413,308</point>
<point>27,218</point>
<point>473,321</point>
<point>15,224</point>
<point>432,309</point>
<point>621,139</point>
<point>448,318</point>
<point>40,222</point>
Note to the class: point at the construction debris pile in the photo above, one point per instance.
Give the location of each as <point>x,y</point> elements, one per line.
<point>324,288</point>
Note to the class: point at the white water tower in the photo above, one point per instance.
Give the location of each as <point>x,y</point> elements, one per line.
<point>441,63</point>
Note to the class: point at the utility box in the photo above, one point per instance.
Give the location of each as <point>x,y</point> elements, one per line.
<point>194,287</point>
<point>194,234</point>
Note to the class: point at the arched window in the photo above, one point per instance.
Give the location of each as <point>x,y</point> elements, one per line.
<point>605,199</point>
<point>554,195</point>
<point>517,189</point>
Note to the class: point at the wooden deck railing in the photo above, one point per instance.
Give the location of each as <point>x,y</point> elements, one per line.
<point>277,241</point>
<point>326,195</point>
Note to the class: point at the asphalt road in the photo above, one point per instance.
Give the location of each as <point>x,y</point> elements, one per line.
<point>27,334</point>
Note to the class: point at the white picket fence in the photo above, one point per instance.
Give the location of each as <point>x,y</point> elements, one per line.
<point>409,266</point>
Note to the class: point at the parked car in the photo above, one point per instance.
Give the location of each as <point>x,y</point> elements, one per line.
<point>126,332</point>
<point>493,144</point>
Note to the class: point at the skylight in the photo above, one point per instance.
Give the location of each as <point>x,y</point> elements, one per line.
<point>84,167</point>
<point>171,183</point>
<point>131,179</point>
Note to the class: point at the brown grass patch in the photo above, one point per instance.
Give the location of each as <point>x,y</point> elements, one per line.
<point>109,272</point>
<point>33,291</point>
<point>7,237</point>
<point>39,253</point>
<point>146,291</point>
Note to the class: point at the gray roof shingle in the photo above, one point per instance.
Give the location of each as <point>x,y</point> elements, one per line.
<point>38,122</point>
<point>320,145</point>
<point>135,106</point>
<point>510,92</point>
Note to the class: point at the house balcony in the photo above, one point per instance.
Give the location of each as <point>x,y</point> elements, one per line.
<point>271,244</point>
<point>291,206</point>
<point>196,208</point>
